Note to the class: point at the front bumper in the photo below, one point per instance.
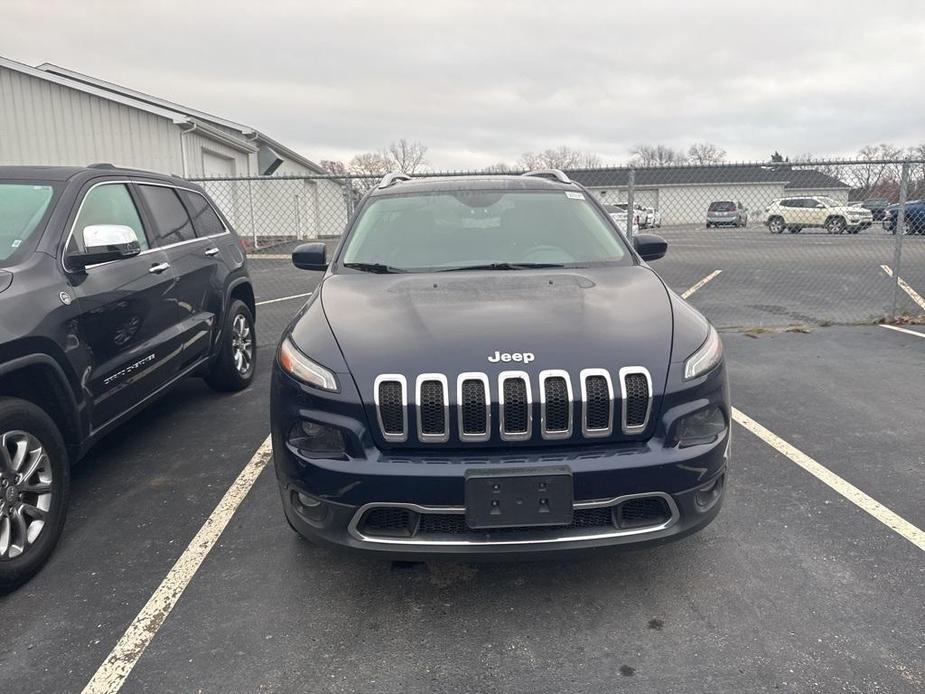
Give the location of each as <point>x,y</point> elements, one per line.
<point>330,501</point>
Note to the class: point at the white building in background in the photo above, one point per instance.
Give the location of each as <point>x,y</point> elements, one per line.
<point>50,115</point>
<point>682,194</point>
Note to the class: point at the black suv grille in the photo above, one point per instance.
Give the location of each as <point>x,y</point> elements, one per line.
<point>391,410</point>
<point>516,407</point>
<point>636,406</point>
<point>558,405</point>
<point>598,403</point>
<point>431,407</point>
<point>474,419</point>
<point>647,510</point>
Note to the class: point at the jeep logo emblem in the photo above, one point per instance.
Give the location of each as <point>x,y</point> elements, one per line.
<point>525,357</point>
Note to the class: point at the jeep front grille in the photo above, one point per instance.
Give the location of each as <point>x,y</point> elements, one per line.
<point>473,403</point>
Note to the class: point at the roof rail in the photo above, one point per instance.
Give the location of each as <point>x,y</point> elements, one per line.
<point>393,178</point>
<point>549,173</point>
<point>101,165</point>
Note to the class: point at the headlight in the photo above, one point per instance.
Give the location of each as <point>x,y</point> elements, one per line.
<point>703,426</point>
<point>705,358</point>
<point>300,367</point>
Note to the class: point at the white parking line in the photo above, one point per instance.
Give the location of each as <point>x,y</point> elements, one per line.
<point>914,295</point>
<point>890,519</point>
<point>902,330</point>
<point>112,674</point>
<point>700,284</point>
<point>282,298</point>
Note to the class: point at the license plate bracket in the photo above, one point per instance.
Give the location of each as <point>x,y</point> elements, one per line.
<point>520,497</point>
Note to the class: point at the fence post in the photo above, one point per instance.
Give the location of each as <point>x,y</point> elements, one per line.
<point>899,230</point>
<point>250,200</point>
<point>630,210</point>
<point>298,218</point>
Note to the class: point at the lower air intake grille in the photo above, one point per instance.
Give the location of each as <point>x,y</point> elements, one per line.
<point>636,406</point>
<point>558,405</point>
<point>432,408</point>
<point>392,522</point>
<point>638,513</point>
<point>391,409</point>
<point>598,404</point>
<point>516,407</point>
<point>474,416</point>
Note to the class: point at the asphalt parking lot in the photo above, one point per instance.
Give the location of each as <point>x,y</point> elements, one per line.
<point>793,588</point>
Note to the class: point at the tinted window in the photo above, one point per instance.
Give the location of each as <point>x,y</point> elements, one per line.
<point>22,208</point>
<point>107,204</point>
<point>171,222</point>
<point>453,230</point>
<point>722,206</point>
<point>792,202</point>
<point>205,221</point>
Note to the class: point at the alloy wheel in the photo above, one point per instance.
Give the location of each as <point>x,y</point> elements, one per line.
<point>242,344</point>
<point>25,492</point>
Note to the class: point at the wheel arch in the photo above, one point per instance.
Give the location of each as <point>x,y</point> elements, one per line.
<point>242,289</point>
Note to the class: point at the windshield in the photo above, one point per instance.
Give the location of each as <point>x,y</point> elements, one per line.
<point>22,209</point>
<point>505,230</point>
<point>722,206</point>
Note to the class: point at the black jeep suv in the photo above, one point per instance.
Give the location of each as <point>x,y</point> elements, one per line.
<point>489,367</point>
<point>114,285</point>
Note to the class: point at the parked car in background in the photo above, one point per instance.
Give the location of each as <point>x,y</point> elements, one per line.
<point>643,215</point>
<point>575,403</point>
<point>114,285</point>
<point>877,207</point>
<point>618,215</point>
<point>818,211</point>
<point>654,217</point>
<point>914,217</point>
<point>726,213</point>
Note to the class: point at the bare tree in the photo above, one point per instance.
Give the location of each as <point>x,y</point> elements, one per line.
<point>499,168</point>
<point>656,155</point>
<point>334,166</point>
<point>869,177</point>
<point>367,168</point>
<point>706,153</point>
<point>406,156</point>
<point>559,158</point>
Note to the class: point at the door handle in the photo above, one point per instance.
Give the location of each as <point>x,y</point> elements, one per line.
<point>211,251</point>
<point>159,268</point>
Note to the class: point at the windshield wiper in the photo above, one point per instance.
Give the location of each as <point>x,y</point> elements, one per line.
<point>377,268</point>
<point>502,266</point>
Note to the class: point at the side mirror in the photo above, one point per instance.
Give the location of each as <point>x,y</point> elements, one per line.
<point>310,256</point>
<point>104,243</point>
<point>650,246</point>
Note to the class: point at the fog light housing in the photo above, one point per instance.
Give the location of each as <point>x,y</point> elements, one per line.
<point>710,493</point>
<point>703,426</point>
<point>312,510</point>
<point>317,439</point>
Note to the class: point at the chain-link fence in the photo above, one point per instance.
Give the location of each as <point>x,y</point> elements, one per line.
<point>751,245</point>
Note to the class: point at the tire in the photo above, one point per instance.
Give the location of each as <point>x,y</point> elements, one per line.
<point>709,225</point>
<point>27,428</point>
<point>836,225</point>
<point>234,368</point>
<point>776,225</point>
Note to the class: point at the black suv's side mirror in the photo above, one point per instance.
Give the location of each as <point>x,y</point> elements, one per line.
<point>104,243</point>
<point>650,246</point>
<point>310,256</point>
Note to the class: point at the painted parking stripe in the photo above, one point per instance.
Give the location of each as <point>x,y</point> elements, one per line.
<point>112,674</point>
<point>890,519</point>
<point>914,295</point>
<point>700,284</point>
<point>282,298</point>
<point>902,330</point>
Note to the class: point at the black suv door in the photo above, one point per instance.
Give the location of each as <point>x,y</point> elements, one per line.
<point>127,316</point>
<point>199,288</point>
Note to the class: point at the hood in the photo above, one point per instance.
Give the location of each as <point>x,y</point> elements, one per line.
<point>451,323</point>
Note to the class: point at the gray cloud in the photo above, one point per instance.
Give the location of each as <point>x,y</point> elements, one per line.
<point>482,82</point>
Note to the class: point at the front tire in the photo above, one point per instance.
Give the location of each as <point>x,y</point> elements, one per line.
<point>776,225</point>
<point>34,487</point>
<point>836,225</point>
<point>234,368</point>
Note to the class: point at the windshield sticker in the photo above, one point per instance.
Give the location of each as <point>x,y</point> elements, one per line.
<point>574,196</point>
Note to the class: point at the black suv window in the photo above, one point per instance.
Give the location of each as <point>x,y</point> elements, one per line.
<point>171,222</point>
<point>110,203</point>
<point>205,221</point>
<point>23,207</point>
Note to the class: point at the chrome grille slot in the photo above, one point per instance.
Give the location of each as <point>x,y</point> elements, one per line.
<point>636,390</point>
<point>515,403</point>
<point>392,407</point>
<point>432,403</point>
<point>555,404</point>
<point>596,403</point>
<point>473,402</point>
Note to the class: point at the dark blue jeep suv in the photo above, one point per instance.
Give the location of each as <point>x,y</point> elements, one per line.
<point>488,367</point>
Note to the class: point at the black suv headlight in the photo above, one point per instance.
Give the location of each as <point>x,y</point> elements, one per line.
<point>706,357</point>
<point>301,368</point>
<point>703,426</point>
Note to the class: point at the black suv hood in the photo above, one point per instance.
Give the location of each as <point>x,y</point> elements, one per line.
<point>607,317</point>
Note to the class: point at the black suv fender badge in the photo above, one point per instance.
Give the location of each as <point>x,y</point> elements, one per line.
<point>66,298</point>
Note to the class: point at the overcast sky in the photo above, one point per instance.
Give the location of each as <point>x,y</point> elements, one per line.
<point>482,82</point>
